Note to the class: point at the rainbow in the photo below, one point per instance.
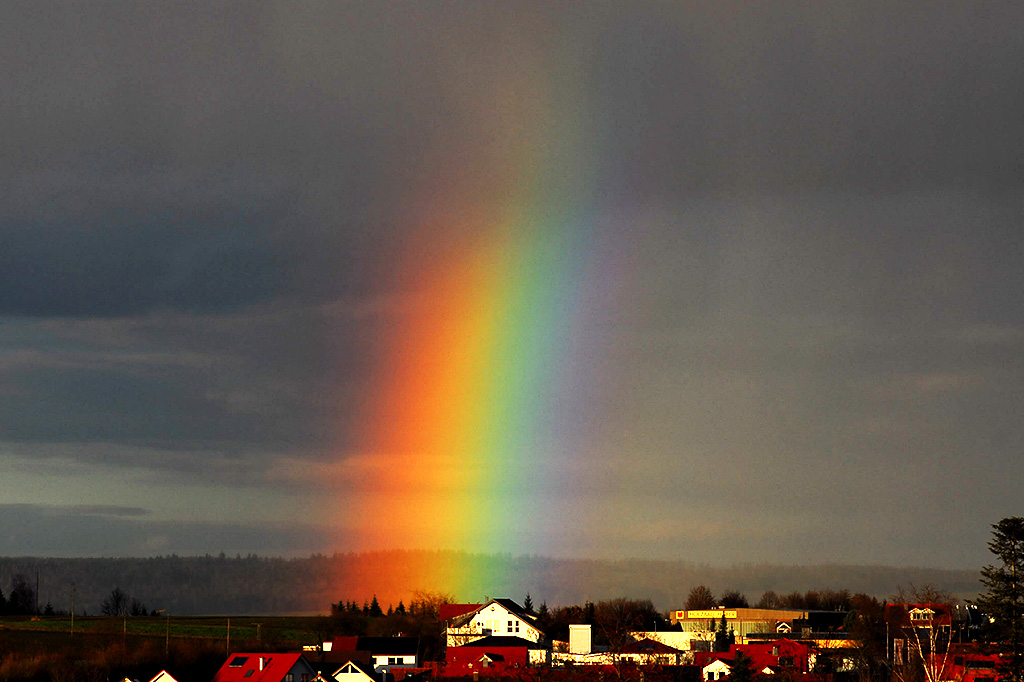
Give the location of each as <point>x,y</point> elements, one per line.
<point>466,435</point>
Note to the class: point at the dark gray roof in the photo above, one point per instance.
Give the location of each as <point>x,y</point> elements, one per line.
<point>502,641</point>
<point>389,646</point>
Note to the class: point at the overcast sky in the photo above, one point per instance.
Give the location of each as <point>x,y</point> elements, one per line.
<point>816,347</point>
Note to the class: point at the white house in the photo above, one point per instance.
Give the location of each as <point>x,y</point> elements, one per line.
<point>715,670</point>
<point>498,618</point>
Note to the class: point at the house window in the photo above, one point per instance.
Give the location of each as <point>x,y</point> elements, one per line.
<point>289,678</point>
<point>510,625</point>
<point>238,661</point>
<point>392,660</point>
<point>305,677</point>
<point>249,672</point>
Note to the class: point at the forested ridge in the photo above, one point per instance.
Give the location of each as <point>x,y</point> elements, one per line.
<point>208,584</point>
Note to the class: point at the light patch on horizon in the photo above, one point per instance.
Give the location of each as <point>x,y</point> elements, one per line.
<point>53,480</point>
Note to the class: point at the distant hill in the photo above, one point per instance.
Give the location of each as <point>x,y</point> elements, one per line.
<point>275,586</point>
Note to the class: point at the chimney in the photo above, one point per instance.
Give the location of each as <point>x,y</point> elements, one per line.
<point>579,639</point>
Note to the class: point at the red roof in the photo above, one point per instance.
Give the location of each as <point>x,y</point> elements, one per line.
<point>900,614</point>
<point>247,667</point>
<point>458,660</point>
<point>761,654</point>
<point>344,643</point>
<point>449,611</point>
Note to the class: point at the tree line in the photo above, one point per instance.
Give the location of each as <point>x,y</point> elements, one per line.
<point>701,597</point>
<point>251,584</point>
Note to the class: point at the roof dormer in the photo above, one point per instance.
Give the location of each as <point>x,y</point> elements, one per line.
<point>919,615</point>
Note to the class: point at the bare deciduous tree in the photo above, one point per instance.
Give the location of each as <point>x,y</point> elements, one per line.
<point>700,597</point>
<point>733,599</point>
<point>116,603</point>
<point>768,600</point>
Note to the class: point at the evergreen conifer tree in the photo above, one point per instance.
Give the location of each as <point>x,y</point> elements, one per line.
<point>722,639</point>
<point>1003,602</point>
<point>23,598</point>
<point>742,669</point>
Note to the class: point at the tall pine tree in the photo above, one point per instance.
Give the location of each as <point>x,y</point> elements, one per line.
<point>1003,602</point>
<point>742,669</point>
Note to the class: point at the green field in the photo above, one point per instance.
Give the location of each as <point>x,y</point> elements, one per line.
<point>272,631</point>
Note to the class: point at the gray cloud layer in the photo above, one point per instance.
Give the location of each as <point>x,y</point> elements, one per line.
<point>201,207</point>
<point>40,530</point>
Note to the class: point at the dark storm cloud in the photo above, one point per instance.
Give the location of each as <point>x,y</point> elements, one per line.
<point>198,157</point>
<point>188,392</point>
<point>127,254</point>
<point>127,244</point>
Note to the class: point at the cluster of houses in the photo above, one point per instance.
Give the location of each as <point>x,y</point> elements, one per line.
<point>489,639</point>
<point>500,639</point>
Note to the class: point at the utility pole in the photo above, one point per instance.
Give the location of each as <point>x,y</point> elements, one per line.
<point>227,643</point>
<point>167,633</point>
<point>72,609</point>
